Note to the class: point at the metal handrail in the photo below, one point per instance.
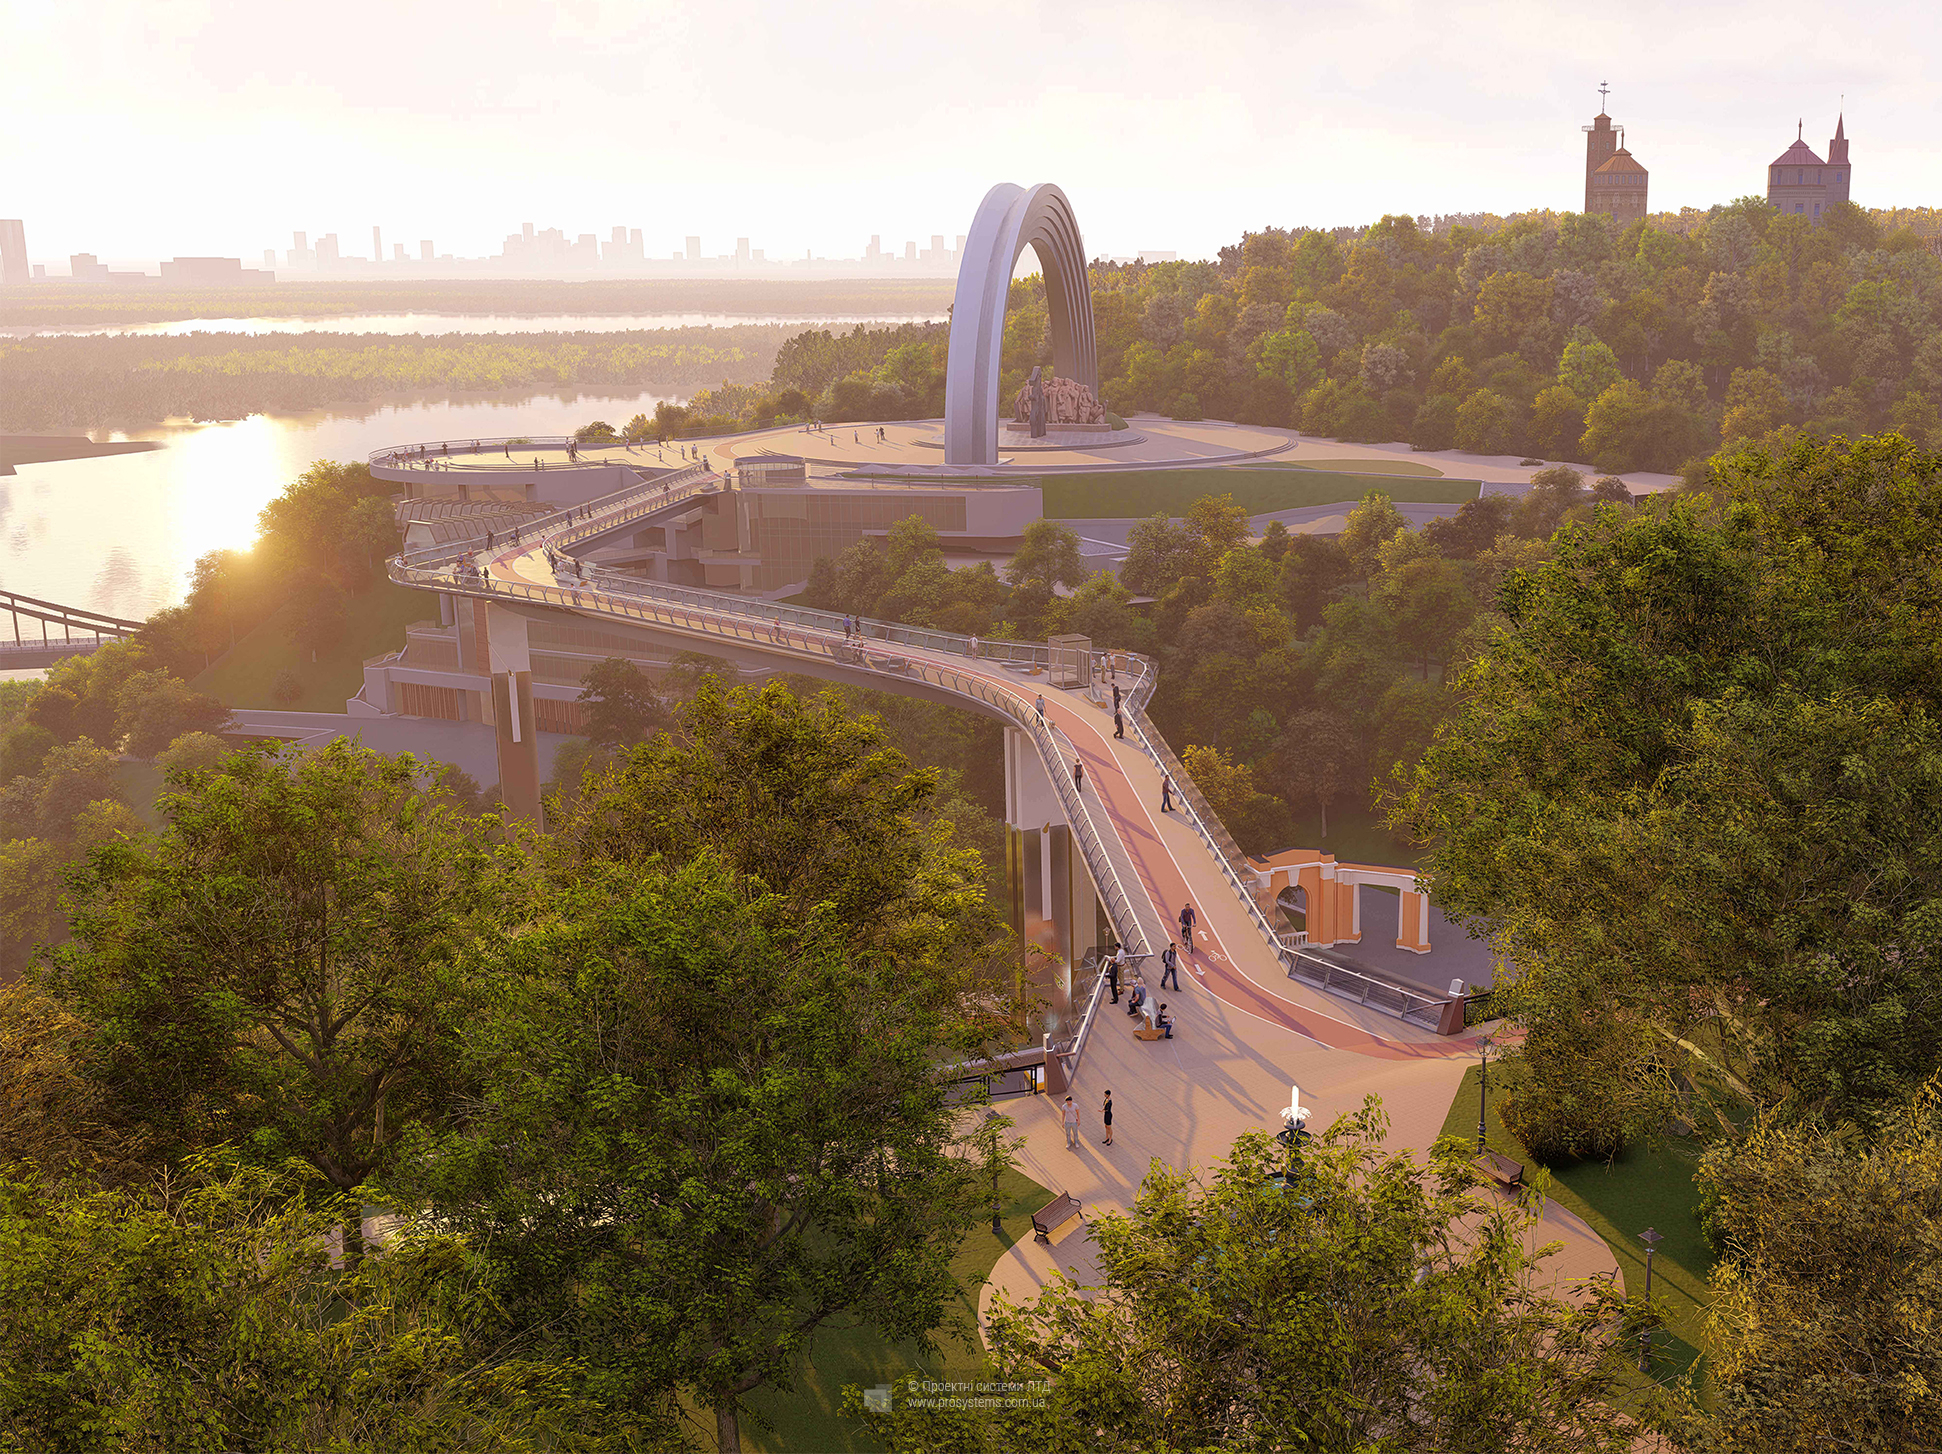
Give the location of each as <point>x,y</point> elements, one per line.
<point>711,614</point>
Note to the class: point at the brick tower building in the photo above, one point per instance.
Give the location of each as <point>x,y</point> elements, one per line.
<point>1802,185</point>
<point>1615,183</point>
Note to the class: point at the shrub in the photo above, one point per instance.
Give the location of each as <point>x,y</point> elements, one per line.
<point>287,687</point>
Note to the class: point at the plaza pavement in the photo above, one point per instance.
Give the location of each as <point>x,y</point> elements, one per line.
<point>1245,1032</point>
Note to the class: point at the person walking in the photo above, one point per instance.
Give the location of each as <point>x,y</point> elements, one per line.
<point>1166,793</point>
<point>1071,1124</point>
<point>1041,706</point>
<point>1078,775</point>
<point>1115,698</point>
<point>1106,1115</point>
<point>1170,966</point>
<point>1112,977</point>
<point>1119,722</point>
<point>1187,926</point>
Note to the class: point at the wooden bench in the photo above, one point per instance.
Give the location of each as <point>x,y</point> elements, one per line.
<point>1052,1214</point>
<point>1500,1169</point>
<point>1144,1031</point>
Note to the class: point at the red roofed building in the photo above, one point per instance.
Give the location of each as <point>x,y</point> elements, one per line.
<point>1800,184</point>
<point>1614,180</point>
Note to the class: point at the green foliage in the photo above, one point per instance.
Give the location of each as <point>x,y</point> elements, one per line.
<point>1690,789</point>
<point>1822,1314</point>
<point>622,705</point>
<point>1374,1303</point>
<point>207,1316</point>
<point>280,965</point>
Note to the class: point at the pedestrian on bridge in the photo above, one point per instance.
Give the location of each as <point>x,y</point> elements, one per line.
<point>1166,793</point>
<point>1071,1125</point>
<point>1119,722</point>
<point>1115,698</point>
<point>1041,708</point>
<point>1106,1115</point>
<point>1078,775</point>
<point>1170,966</point>
<point>1112,975</point>
<point>1187,925</point>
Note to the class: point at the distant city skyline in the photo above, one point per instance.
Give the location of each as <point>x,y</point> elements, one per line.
<point>205,127</point>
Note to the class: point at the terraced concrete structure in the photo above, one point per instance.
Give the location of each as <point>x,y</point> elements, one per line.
<point>1247,1027</point>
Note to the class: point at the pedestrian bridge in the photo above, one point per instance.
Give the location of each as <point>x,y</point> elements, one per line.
<point>1087,865</point>
<point>82,631</point>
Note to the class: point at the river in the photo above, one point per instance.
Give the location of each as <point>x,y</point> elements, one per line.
<point>120,533</point>
<point>435,324</point>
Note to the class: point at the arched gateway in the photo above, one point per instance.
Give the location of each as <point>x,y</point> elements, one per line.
<point>1009,220</point>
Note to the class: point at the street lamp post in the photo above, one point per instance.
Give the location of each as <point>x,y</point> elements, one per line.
<point>1294,1131</point>
<point>997,1226</point>
<point>1483,1089</point>
<point>1651,1239</point>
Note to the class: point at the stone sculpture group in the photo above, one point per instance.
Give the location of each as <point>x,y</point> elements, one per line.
<point>1066,402</point>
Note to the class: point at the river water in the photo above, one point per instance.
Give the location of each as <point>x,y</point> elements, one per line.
<point>434,324</point>
<point>120,533</point>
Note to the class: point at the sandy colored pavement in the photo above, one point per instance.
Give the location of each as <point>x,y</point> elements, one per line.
<point>1245,1032</point>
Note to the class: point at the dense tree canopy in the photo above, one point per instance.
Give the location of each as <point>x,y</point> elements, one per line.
<point>1692,786</point>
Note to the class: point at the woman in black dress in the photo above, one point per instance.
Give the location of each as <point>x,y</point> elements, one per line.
<point>1106,1115</point>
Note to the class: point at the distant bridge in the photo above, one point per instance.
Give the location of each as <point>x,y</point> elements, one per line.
<point>82,631</point>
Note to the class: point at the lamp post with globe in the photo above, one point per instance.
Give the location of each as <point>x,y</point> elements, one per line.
<point>1651,1238</point>
<point>1483,1089</point>
<point>1293,1134</point>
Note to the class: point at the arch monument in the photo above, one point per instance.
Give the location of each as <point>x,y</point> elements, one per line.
<point>1011,219</point>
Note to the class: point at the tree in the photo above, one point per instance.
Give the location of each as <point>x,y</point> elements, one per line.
<point>1254,818</point>
<point>1370,523</point>
<point>1755,406</point>
<point>1158,554</point>
<point>1557,423</point>
<point>71,776</point>
<point>286,687</point>
<point>1687,790</point>
<point>210,1311</point>
<point>279,966</point>
<point>317,617</point>
<point>1312,572</point>
<point>1554,493</point>
<point>1434,426</point>
<point>155,708</point>
<point>1373,1303</point>
<point>715,1120</point>
<point>1430,603</point>
<point>1820,1326</point>
<point>1048,555</point>
<point>1487,424</point>
<point>622,705</point>
<point>816,804</point>
<point>1587,368</point>
<point>30,900</point>
<point>1321,758</point>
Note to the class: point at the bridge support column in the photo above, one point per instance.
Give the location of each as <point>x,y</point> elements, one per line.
<point>509,661</point>
<point>1054,903</point>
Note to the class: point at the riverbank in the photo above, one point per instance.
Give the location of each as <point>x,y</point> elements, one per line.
<point>45,448</point>
<point>61,304</point>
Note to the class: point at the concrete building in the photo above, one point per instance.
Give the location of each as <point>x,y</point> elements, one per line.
<point>1800,184</point>
<point>1615,182</point>
<point>425,250</point>
<point>13,251</point>
<point>211,272</point>
<point>694,249</point>
<point>377,245</point>
<point>85,267</point>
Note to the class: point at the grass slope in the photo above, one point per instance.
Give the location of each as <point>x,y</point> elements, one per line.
<point>808,1418</point>
<point>375,623</point>
<point>1646,1187</point>
<point>1131,494</point>
<point>1352,466</point>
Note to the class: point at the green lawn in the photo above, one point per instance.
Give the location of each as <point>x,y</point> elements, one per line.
<point>1646,1187</point>
<point>1122,494</point>
<point>375,623</point>
<point>1355,835</point>
<point>807,1420</point>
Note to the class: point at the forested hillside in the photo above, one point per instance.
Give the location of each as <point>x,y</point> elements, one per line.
<point>1558,336</point>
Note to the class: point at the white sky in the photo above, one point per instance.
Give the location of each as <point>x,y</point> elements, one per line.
<point>138,129</point>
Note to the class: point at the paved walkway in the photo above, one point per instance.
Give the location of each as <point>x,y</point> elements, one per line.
<point>1245,1031</point>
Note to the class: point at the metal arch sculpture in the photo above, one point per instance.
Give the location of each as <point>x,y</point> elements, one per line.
<point>1009,220</point>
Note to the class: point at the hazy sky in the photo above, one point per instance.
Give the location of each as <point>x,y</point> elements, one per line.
<point>143,130</point>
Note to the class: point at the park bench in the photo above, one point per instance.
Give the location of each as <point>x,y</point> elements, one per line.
<point>1500,1169</point>
<point>1053,1213</point>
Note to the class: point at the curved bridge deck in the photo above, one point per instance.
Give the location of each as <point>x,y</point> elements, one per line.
<point>1246,1031</point>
